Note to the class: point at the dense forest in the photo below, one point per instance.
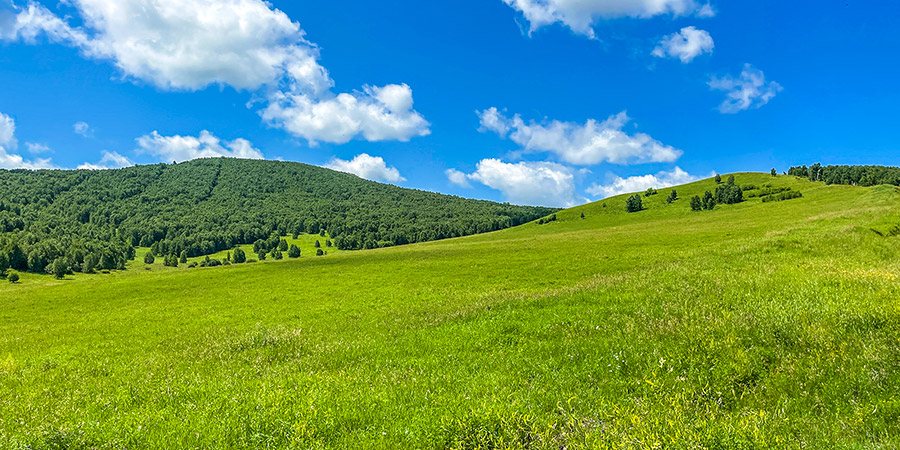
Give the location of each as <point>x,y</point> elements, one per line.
<point>851,175</point>
<point>92,220</point>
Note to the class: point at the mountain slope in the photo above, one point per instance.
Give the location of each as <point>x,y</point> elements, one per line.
<point>755,325</point>
<point>205,206</point>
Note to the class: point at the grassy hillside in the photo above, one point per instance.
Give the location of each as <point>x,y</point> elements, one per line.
<point>205,206</point>
<point>755,325</point>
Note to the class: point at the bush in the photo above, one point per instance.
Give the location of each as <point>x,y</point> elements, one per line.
<point>320,252</point>
<point>282,245</point>
<point>634,203</point>
<point>239,256</point>
<point>672,196</point>
<point>13,277</point>
<point>650,192</point>
<point>59,268</point>
<point>328,243</point>
<point>696,203</point>
<point>294,251</point>
<point>183,258</point>
<point>787,195</point>
<point>261,255</point>
<point>551,218</point>
<point>277,255</point>
<point>149,258</point>
<point>192,265</point>
<point>709,202</point>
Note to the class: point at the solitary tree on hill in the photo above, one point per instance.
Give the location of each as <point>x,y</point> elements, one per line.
<point>13,277</point>
<point>294,251</point>
<point>320,252</point>
<point>149,258</point>
<point>183,258</point>
<point>718,179</point>
<point>774,172</point>
<point>672,196</point>
<point>634,204</point>
<point>318,244</point>
<point>696,203</point>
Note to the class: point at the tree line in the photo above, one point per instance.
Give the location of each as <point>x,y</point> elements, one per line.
<point>849,175</point>
<point>93,220</point>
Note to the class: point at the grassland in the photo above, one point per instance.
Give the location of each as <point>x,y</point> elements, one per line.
<point>756,325</point>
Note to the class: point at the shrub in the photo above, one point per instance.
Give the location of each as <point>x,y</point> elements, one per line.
<point>59,268</point>
<point>582,215</point>
<point>709,202</point>
<point>318,244</point>
<point>729,194</point>
<point>261,255</point>
<point>787,195</point>
<point>183,258</point>
<point>149,258</point>
<point>192,265</point>
<point>634,204</point>
<point>650,192</point>
<point>282,245</point>
<point>320,252</point>
<point>328,243</point>
<point>696,203</point>
<point>277,255</point>
<point>13,277</point>
<point>239,256</point>
<point>294,251</point>
<point>672,196</point>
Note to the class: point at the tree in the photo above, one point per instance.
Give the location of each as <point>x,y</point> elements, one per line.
<point>59,268</point>
<point>672,196</point>
<point>183,258</point>
<point>294,251</point>
<point>90,263</point>
<point>718,179</point>
<point>277,255</point>
<point>582,214</point>
<point>709,202</point>
<point>239,256</point>
<point>322,232</point>
<point>731,180</point>
<point>696,203</point>
<point>282,245</point>
<point>318,244</point>
<point>328,243</point>
<point>4,261</point>
<point>650,192</point>
<point>13,277</point>
<point>261,255</point>
<point>320,252</point>
<point>774,172</point>
<point>149,258</point>
<point>634,204</point>
<point>36,261</point>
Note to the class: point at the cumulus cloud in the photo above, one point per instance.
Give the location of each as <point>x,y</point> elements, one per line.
<point>750,90</point>
<point>685,45</point>
<point>83,129</point>
<point>620,185</point>
<point>581,15</point>
<point>592,143</point>
<point>185,148</point>
<point>110,160</point>
<point>245,44</point>
<point>9,144</point>
<point>366,166</point>
<point>528,183</point>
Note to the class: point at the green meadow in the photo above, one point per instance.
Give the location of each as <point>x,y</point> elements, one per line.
<point>751,326</point>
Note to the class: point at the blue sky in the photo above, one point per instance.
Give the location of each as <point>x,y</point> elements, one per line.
<point>551,102</point>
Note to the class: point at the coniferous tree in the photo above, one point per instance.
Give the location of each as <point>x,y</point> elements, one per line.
<point>294,251</point>
<point>774,172</point>
<point>277,255</point>
<point>672,196</point>
<point>328,243</point>
<point>320,252</point>
<point>731,180</point>
<point>582,214</point>
<point>634,204</point>
<point>282,245</point>
<point>318,244</point>
<point>184,257</point>
<point>696,203</point>
<point>261,255</point>
<point>709,202</point>
<point>718,179</point>
<point>149,258</point>
<point>13,277</point>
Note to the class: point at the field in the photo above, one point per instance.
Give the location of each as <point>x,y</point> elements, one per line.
<point>756,325</point>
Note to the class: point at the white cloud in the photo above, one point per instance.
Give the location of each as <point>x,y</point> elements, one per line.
<point>36,148</point>
<point>581,15</point>
<point>366,166</point>
<point>246,44</point>
<point>8,144</point>
<point>592,143</point>
<point>458,178</point>
<point>376,114</point>
<point>110,160</point>
<point>528,183</point>
<point>685,45</point>
<point>185,148</point>
<point>83,129</point>
<point>748,91</point>
<point>628,185</point>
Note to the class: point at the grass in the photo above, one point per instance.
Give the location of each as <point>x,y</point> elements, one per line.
<point>756,325</point>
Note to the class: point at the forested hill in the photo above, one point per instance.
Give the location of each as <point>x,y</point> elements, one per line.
<point>204,206</point>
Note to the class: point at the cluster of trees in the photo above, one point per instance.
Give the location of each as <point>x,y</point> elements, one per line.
<point>728,193</point>
<point>551,218</point>
<point>849,175</point>
<point>786,195</point>
<point>673,196</point>
<point>634,203</point>
<point>92,220</point>
<point>650,192</point>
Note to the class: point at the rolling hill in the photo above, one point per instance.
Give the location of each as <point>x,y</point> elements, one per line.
<point>754,325</point>
<point>93,219</point>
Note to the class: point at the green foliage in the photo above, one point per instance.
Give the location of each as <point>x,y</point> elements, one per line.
<point>170,260</point>
<point>149,258</point>
<point>320,252</point>
<point>673,196</point>
<point>696,203</point>
<point>239,256</point>
<point>582,214</point>
<point>294,251</point>
<point>318,244</point>
<point>787,195</point>
<point>729,194</point>
<point>277,255</point>
<point>206,206</point>
<point>283,245</point>
<point>774,172</point>
<point>634,203</point>
<point>650,192</point>
<point>548,219</point>
<point>709,201</point>
<point>849,175</point>
<point>59,268</point>
<point>718,179</point>
<point>13,277</point>
<point>184,257</point>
